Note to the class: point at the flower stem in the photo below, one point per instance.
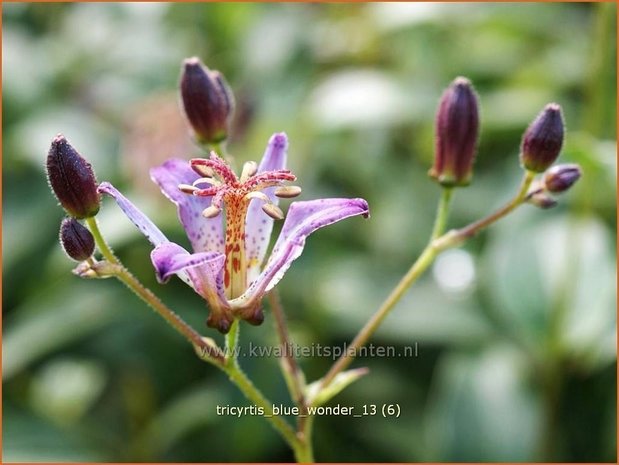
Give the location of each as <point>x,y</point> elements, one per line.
<point>125,276</point>
<point>458,236</point>
<point>294,380</point>
<point>420,265</point>
<point>232,340</point>
<point>290,367</point>
<point>238,377</point>
<point>105,249</point>
<point>442,212</point>
<point>437,244</point>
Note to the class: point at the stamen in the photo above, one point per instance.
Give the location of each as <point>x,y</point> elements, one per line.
<point>206,192</point>
<point>257,195</point>
<point>187,189</point>
<point>211,181</point>
<point>219,166</point>
<point>203,171</point>
<point>273,211</point>
<point>287,192</point>
<point>249,169</point>
<point>269,179</point>
<point>211,212</point>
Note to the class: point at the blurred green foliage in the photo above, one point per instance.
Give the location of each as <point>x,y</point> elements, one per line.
<point>516,332</point>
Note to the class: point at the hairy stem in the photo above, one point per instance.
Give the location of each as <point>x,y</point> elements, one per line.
<point>125,276</point>
<point>105,249</point>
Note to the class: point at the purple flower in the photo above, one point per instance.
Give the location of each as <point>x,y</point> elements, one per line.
<point>226,266</point>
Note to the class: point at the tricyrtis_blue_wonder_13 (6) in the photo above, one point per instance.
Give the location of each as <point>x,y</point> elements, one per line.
<point>228,220</point>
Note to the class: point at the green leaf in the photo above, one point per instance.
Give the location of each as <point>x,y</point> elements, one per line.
<point>317,396</point>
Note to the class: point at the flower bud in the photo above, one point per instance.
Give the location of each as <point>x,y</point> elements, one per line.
<point>542,200</point>
<point>72,179</point>
<point>457,130</point>
<point>561,177</point>
<point>207,100</point>
<point>76,240</point>
<point>542,141</point>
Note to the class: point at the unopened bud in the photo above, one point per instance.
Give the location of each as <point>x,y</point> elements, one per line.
<point>207,100</point>
<point>561,177</point>
<point>287,192</point>
<point>457,129</point>
<point>273,211</point>
<point>542,200</point>
<point>76,240</point>
<point>542,141</point>
<point>72,179</point>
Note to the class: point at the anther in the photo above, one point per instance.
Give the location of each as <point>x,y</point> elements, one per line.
<point>257,195</point>
<point>273,211</point>
<point>287,192</point>
<point>249,169</point>
<point>187,189</point>
<point>211,212</point>
<point>204,171</point>
<point>211,181</point>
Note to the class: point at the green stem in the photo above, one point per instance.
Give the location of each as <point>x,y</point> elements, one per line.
<point>442,212</point>
<point>232,340</point>
<point>238,377</point>
<point>105,249</point>
<point>456,237</point>
<point>290,368</point>
<point>304,453</point>
<point>420,265</point>
<point>206,350</point>
<point>434,247</point>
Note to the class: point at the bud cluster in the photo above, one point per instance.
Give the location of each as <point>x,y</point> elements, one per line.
<point>457,132</point>
<point>73,182</point>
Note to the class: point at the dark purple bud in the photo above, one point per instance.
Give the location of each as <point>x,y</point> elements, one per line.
<point>542,200</point>
<point>542,141</point>
<point>72,179</point>
<point>76,240</point>
<point>207,100</point>
<point>457,130</point>
<point>561,177</point>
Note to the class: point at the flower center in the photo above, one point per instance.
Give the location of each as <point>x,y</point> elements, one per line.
<point>232,194</point>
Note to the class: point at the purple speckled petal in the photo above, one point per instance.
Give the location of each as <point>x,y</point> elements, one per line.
<point>302,219</point>
<point>204,270</point>
<point>205,235</point>
<point>258,225</point>
<point>145,225</point>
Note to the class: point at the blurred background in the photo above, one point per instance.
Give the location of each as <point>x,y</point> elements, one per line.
<point>516,331</point>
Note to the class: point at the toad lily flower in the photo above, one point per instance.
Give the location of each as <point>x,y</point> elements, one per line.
<point>229,249</point>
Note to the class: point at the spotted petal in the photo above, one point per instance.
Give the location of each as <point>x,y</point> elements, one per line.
<point>139,219</point>
<point>302,219</point>
<point>258,225</point>
<point>205,234</point>
<point>205,273</point>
